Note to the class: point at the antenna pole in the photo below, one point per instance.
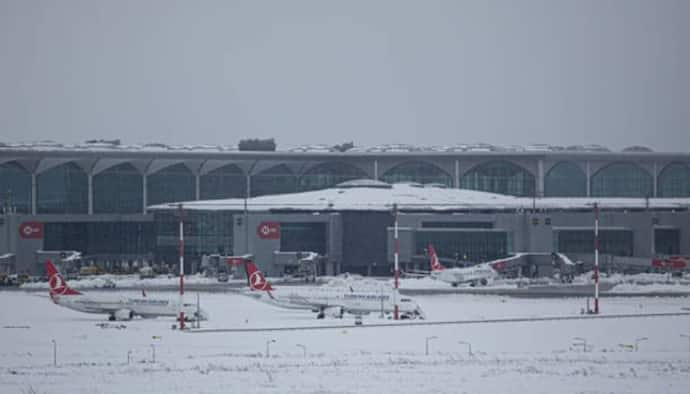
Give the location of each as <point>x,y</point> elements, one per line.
<point>181,217</point>
<point>396,254</point>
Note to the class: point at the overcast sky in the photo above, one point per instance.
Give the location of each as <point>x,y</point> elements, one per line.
<point>387,71</point>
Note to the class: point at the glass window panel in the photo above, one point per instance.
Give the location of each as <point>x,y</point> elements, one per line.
<point>474,246</point>
<point>613,242</point>
<point>171,184</point>
<point>565,180</point>
<point>303,237</point>
<point>667,241</point>
<point>499,177</point>
<point>224,182</point>
<point>275,180</point>
<point>15,191</point>
<point>118,189</point>
<point>622,180</point>
<point>674,181</point>
<point>101,240</point>
<point>63,189</point>
<point>417,171</point>
<point>326,175</point>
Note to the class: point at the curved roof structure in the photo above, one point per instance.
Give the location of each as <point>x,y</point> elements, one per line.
<point>415,197</point>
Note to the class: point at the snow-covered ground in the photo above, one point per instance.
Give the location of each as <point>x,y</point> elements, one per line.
<point>637,283</point>
<point>535,357</point>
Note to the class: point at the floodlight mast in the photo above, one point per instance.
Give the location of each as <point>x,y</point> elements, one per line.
<point>596,258</point>
<point>181,215</point>
<point>396,253</point>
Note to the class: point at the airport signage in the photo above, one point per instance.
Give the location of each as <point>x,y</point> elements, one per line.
<point>31,230</point>
<point>268,230</point>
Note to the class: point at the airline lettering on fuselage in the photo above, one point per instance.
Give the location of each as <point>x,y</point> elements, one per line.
<point>366,296</point>
<point>147,301</point>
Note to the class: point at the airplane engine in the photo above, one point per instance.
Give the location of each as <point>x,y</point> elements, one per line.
<point>122,314</point>
<point>331,311</point>
<point>336,312</point>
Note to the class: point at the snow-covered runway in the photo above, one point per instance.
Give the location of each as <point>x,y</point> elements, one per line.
<point>92,357</point>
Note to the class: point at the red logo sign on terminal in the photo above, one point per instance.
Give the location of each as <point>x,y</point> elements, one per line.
<point>268,230</point>
<point>31,230</point>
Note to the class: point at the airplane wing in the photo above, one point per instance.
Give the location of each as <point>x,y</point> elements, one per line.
<point>416,273</point>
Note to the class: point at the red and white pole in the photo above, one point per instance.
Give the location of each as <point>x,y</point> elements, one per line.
<point>396,253</point>
<point>181,214</point>
<point>596,258</point>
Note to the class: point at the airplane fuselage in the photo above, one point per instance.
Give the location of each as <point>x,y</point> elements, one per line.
<point>350,299</point>
<point>109,304</point>
<point>479,274</point>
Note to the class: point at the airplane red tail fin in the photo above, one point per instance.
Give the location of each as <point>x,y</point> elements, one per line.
<point>433,257</point>
<point>58,285</point>
<point>256,278</point>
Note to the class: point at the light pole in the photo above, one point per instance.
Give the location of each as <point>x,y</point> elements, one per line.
<point>583,343</point>
<point>153,353</point>
<point>426,347</point>
<point>638,340</point>
<point>54,352</point>
<point>129,356</point>
<point>304,349</point>
<point>687,336</point>
<point>268,347</point>
<point>469,345</point>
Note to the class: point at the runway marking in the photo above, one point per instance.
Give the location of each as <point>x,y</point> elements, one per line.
<point>439,323</point>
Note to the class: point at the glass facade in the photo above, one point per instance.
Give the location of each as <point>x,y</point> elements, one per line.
<point>476,246</point>
<point>224,182</point>
<point>205,232</point>
<point>674,181</point>
<point>275,180</point>
<point>303,237</point>
<point>613,242</point>
<point>565,179</point>
<point>667,241</point>
<point>101,239</point>
<point>417,171</point>
<point>15,191</point>
<point>329,174</point>
<point>499,177</point>
<point>63,189</point>
<point>174,183</point>
<point>118,189</point>
<point>622,180</point>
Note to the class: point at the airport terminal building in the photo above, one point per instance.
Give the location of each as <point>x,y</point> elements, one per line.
<point>118,203</point>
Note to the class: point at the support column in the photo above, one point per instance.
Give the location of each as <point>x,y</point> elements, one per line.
<point>588,172</point>
<point>144,192</point>
<point>34,196</point>
<point>90,199</point>
<point>540,178</point>
<point>457,174</point>
<point>248,192</point>
<point>197,190</point>
<point>656,180</point>
<point>376,169</point>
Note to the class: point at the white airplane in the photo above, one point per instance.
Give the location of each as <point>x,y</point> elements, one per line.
<point>118,307</point>
<point>333,300</point>
<point>480,274</point>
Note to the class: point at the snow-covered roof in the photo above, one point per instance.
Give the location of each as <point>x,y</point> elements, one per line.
<point>414,197</point>
<point>115,145</point>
